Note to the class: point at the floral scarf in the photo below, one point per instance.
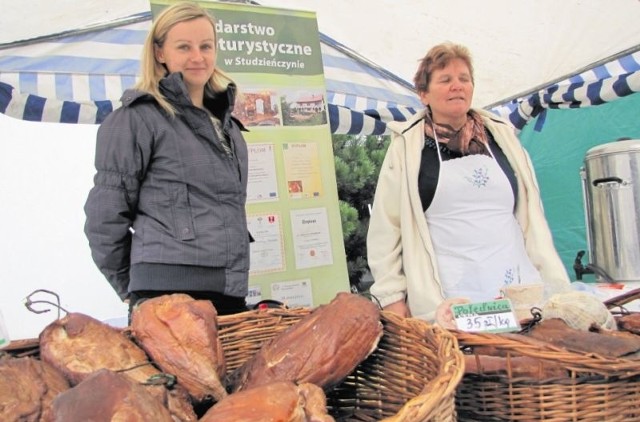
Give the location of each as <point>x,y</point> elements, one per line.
<point>470,139</point>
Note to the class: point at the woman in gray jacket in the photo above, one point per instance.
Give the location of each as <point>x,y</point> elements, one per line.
<point>457,214</point>
<point>167,210</point>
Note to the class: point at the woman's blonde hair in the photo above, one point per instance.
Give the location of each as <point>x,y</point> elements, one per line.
<point>153,71</point>
<point>438,57</point>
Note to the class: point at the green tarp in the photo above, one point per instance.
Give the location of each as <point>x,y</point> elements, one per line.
<point>558,153</point>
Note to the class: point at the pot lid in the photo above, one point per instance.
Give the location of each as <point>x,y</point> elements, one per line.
<point>624,145</point>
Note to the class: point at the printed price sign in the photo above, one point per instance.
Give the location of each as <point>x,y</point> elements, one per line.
<point>490,317</point>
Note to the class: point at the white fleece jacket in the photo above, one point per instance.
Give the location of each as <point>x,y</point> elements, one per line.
<point>399,248</point>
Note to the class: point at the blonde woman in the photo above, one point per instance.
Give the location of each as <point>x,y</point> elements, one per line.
<point>167,210</point>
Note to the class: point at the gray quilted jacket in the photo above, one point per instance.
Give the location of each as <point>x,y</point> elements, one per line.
<point>166,191</point>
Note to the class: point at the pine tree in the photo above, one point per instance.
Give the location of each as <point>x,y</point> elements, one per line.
<point>357,162</point>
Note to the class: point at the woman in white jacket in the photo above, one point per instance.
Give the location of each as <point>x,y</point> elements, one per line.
<point>457,210</point>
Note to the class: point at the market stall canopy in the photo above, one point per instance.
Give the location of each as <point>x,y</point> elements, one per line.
<point>605,81</point>
<point>78,77</point>
<point>527,58</point>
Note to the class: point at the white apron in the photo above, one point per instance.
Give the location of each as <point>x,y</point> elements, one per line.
<point>478,242</point>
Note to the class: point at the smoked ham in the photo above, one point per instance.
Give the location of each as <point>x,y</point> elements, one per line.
<point>108,396</point>
<point>180,334</point>
<point>556,332</point>
<point>321,348</point>
<point>78,345</point>
<point>629,322</point>
<point>27,387</point>
<point>279,401</point>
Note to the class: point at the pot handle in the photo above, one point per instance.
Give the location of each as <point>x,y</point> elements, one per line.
<point>603,180</point>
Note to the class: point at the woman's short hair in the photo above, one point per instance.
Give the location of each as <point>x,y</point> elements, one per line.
<point>438,57</point>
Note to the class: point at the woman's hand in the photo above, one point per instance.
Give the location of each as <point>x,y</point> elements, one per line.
<point>400,308</point>
<point>444,315</point>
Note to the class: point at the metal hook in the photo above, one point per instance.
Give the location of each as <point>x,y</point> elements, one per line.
<point>168,380</point>
<point>29,302</point>
<point>536,313</point>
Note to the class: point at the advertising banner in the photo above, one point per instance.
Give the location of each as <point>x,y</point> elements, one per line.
<point>274,57</point>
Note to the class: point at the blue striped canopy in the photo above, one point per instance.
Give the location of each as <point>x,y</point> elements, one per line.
<point>79,77</point>
<point>615,78</point>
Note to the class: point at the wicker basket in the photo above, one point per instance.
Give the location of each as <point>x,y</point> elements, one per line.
<point>598,388</point>
<point>411,377</point>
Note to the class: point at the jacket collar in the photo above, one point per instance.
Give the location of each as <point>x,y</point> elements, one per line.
<point>171,86</point>
<point>174,89</point>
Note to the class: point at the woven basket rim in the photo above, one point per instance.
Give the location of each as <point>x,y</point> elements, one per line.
<point>435,394</point>
<point>441,387</point>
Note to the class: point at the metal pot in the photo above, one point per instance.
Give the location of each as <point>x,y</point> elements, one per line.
<point>611,192</point>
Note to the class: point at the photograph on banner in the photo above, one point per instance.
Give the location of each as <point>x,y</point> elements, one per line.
<point>258,107</point>
<point>303,107</point>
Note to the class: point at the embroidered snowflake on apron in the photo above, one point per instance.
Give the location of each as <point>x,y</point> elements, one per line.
<point>479,178</point>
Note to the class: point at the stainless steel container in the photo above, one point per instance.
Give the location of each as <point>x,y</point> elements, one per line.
<point>611,192</point>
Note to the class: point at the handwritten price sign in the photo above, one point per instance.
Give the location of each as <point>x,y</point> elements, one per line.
<point>490,317</point>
